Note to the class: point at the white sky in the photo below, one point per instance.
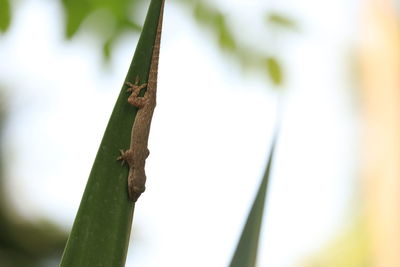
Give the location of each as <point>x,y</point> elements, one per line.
<point>206,161</point>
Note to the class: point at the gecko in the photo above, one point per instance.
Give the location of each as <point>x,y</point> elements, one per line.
<point>138,151</point>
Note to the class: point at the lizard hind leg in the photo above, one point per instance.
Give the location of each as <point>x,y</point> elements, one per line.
<point>126,156</point>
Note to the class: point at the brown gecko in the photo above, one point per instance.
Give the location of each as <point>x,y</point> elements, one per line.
<point>137,153</point>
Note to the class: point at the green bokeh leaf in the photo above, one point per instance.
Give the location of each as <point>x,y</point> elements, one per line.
<point>107,48</point>
<point>281,20</point>
<point>216,21</point>
<point>274,70</point>
<point>75,11</point>
<point>246,251</point>
<point>225,36</point>
<point>101,230</point>
<point>108,19</point>
<point>5,15</point>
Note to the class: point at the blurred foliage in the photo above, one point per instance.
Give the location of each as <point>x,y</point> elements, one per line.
<point>26,244</point>
<point>118,16</point>
<point>5,15</point>
<point>274,70</point>
<point>215,20</point>
<point>281,21</point>
<point>108,20</point>
<point>23,243</point>
<point>208,15</point>
<point>349,249</point>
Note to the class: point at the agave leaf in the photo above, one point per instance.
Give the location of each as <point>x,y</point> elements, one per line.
<point>246,250</point>
<point>101,230</point>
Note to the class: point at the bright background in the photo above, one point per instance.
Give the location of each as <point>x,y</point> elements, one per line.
<point>211,131</point>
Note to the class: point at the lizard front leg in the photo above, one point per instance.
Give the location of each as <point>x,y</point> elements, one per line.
<point>134,98</point>
<point>135,87</point>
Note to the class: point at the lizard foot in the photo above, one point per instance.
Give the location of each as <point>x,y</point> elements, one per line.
<point>126,156</point>
<point>135,88</point>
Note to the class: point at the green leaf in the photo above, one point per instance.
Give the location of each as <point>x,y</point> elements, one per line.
<point>274,70</point>
<point>107,48</point>
<point>246,250</point>
<point>281,20</point>
<point>5,15</point>
<point>75,11</point>
<point>216,21</point>
<point>225,36</point>
<point>101,230</point>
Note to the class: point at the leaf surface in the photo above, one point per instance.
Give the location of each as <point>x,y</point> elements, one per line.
<point>101,230</point>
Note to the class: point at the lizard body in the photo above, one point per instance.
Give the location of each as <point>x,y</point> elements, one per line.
<point>137,153</point>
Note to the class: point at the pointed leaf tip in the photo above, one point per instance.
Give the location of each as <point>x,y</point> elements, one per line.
<point>245,254</point>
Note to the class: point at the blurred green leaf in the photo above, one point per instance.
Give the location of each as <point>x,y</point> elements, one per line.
<point>101,230</point>
<point>110,19</point>
<point>201,13</point>
<point>248,57</point>
<point>132,25</point>
<point>5,15</point>
<point>225,36</point>
<point>76,11</point>
<point>274,70</point>
<point>281,20</point>
<point>246,251</point>
<point>216,21</point>
<point>107,48</point>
